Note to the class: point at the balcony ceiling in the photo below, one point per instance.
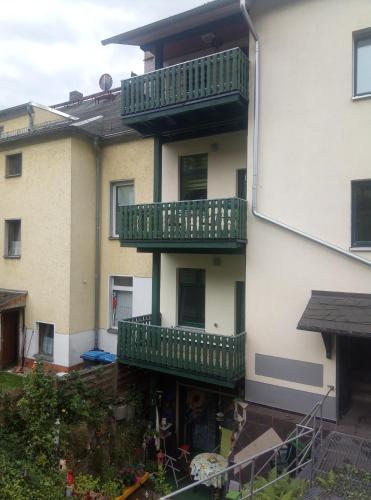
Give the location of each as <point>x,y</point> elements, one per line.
<point>148,35</point>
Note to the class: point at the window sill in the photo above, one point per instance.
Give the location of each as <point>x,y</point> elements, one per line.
<point>113,330</point>
<point>190,329</point>
<point>360,249</point>
<point>12,176</point>
<point>11,256</point>
<point>114,238</point>
<point>360,97</point>
<point>44,357</point>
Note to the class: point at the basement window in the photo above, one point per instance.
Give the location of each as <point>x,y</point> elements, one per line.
<point>362,63</point>
<point>361,213</point>
<point>46,339</point>
<point>12,239</point>
<point>122,194</point>
<point>13,165</point>
<point>121,299</point>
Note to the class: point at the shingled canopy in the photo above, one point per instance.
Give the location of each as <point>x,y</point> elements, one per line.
<point>10,299</point>
<point>337,313</point>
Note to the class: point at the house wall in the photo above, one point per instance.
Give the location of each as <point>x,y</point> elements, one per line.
<point>226,154</point>
<point>39,116</point>
<point>82,279</point>
<point>41,199</point>
<point>314,141</point>
<point>130,160</point>
<point>221,271</point>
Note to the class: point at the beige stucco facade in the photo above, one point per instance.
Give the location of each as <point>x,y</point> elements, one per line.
<point>226,154</point>
<point>56,202</point>
<point>314,140</point>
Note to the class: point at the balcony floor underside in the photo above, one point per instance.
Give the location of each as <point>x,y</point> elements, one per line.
<point>185,373</point>
<point>210,115</point>
<point>188,246</point>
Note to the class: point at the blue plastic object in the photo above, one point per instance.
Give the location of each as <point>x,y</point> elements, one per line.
<point>107,358</point>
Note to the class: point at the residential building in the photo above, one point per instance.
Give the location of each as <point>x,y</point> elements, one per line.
<point>64,280</point>
<point>279,90</point>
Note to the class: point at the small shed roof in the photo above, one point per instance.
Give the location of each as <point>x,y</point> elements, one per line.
<point>338,313</point>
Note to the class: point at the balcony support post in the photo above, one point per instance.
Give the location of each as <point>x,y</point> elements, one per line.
<point>156,256</point>
<point>159,56</point>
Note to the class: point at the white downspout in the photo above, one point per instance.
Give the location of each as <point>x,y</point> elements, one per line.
<point>254,207</point>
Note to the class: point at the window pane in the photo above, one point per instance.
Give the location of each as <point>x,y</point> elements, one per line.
<point>122,306</point>
<point>363,54</point>
<point>123,281</point>
<point>46,334</point>
<point>14,238</point>
<point>192,297</point>
<point>362,213</point>
<point>193,177</point>
<point>14,165</point>
<point>124,197</point>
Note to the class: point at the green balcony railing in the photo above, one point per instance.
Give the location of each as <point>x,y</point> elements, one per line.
<point>206,77</point>
<point>201,220</point>
<point>202,356</point>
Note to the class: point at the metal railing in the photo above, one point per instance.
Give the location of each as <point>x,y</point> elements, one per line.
<point>304,439</point>
<point>201,353</point>
<point>219,219</point>
<point>201,78</point>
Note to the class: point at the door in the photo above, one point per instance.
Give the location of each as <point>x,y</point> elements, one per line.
<point>240,307</point>
<point>191,307</point>
<point>343,375</point>
<point>9,338</point>
<point>241,183</point>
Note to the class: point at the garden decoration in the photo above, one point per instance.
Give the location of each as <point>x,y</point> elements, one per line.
<point>129,490</point>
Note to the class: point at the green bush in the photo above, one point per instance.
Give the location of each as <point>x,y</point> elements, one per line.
<point>286,488</point>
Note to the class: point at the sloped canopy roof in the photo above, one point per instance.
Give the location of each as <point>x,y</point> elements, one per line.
<point>9,299</point>
<point>338,313</point>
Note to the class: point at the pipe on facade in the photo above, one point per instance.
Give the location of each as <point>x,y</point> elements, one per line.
<point>256,121</point>
<point>98,186</point>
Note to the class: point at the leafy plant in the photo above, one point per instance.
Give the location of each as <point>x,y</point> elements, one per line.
<point>286,488</point>
<point>162,487</point>
<point>86,483</point>
<point>347,482</point>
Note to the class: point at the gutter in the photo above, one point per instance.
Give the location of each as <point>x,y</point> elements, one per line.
<point>98,186</point>
<point>256,121</point>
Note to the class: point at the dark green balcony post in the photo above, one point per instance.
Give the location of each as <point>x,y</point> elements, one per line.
<point>156,256</point>
<point>159,56</point>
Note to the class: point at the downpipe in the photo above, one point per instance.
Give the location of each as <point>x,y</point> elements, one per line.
<point>98,182</point>
<point>256,121</point>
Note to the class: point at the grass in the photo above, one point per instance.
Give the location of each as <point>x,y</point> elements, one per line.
<point>10,381</point>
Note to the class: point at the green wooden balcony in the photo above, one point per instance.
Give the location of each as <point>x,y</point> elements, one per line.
<point>185,225</point>
<point>216,359</point>
<point>183,95</point>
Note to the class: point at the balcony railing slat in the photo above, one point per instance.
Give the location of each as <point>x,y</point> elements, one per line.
<point>223,219</point>
<point>207,76</point>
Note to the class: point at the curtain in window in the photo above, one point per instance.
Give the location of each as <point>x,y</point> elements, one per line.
<point>47,339</point>
<point>122,306</point>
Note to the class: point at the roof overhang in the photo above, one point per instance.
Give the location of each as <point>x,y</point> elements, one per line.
<point>337,313</point>
<point>12,299</point>
<point>148,35</point>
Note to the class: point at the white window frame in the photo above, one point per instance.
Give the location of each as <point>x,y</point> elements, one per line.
<point>111,288</point>
<point>6,239</point>
<point>113,195</point>
<point>358,36</point>
<point>49,357</point>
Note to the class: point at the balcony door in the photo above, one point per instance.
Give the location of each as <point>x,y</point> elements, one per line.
<point>193,177</point>
<point>191,305</point>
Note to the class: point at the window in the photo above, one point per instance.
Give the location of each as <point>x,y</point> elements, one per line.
<point>121,299</point>
<point>46,339</point>
<point>192,298</point>
<point>13,165</point>
<point>362,63</point>
<point>361,213</point>
<point>122,194</point>
<point>193,177</point>
<point>12,238</point>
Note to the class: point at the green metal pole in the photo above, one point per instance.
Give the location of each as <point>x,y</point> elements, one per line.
<point>156,256</point>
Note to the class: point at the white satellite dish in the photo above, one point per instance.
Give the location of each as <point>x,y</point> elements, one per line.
<point>105,82</point>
